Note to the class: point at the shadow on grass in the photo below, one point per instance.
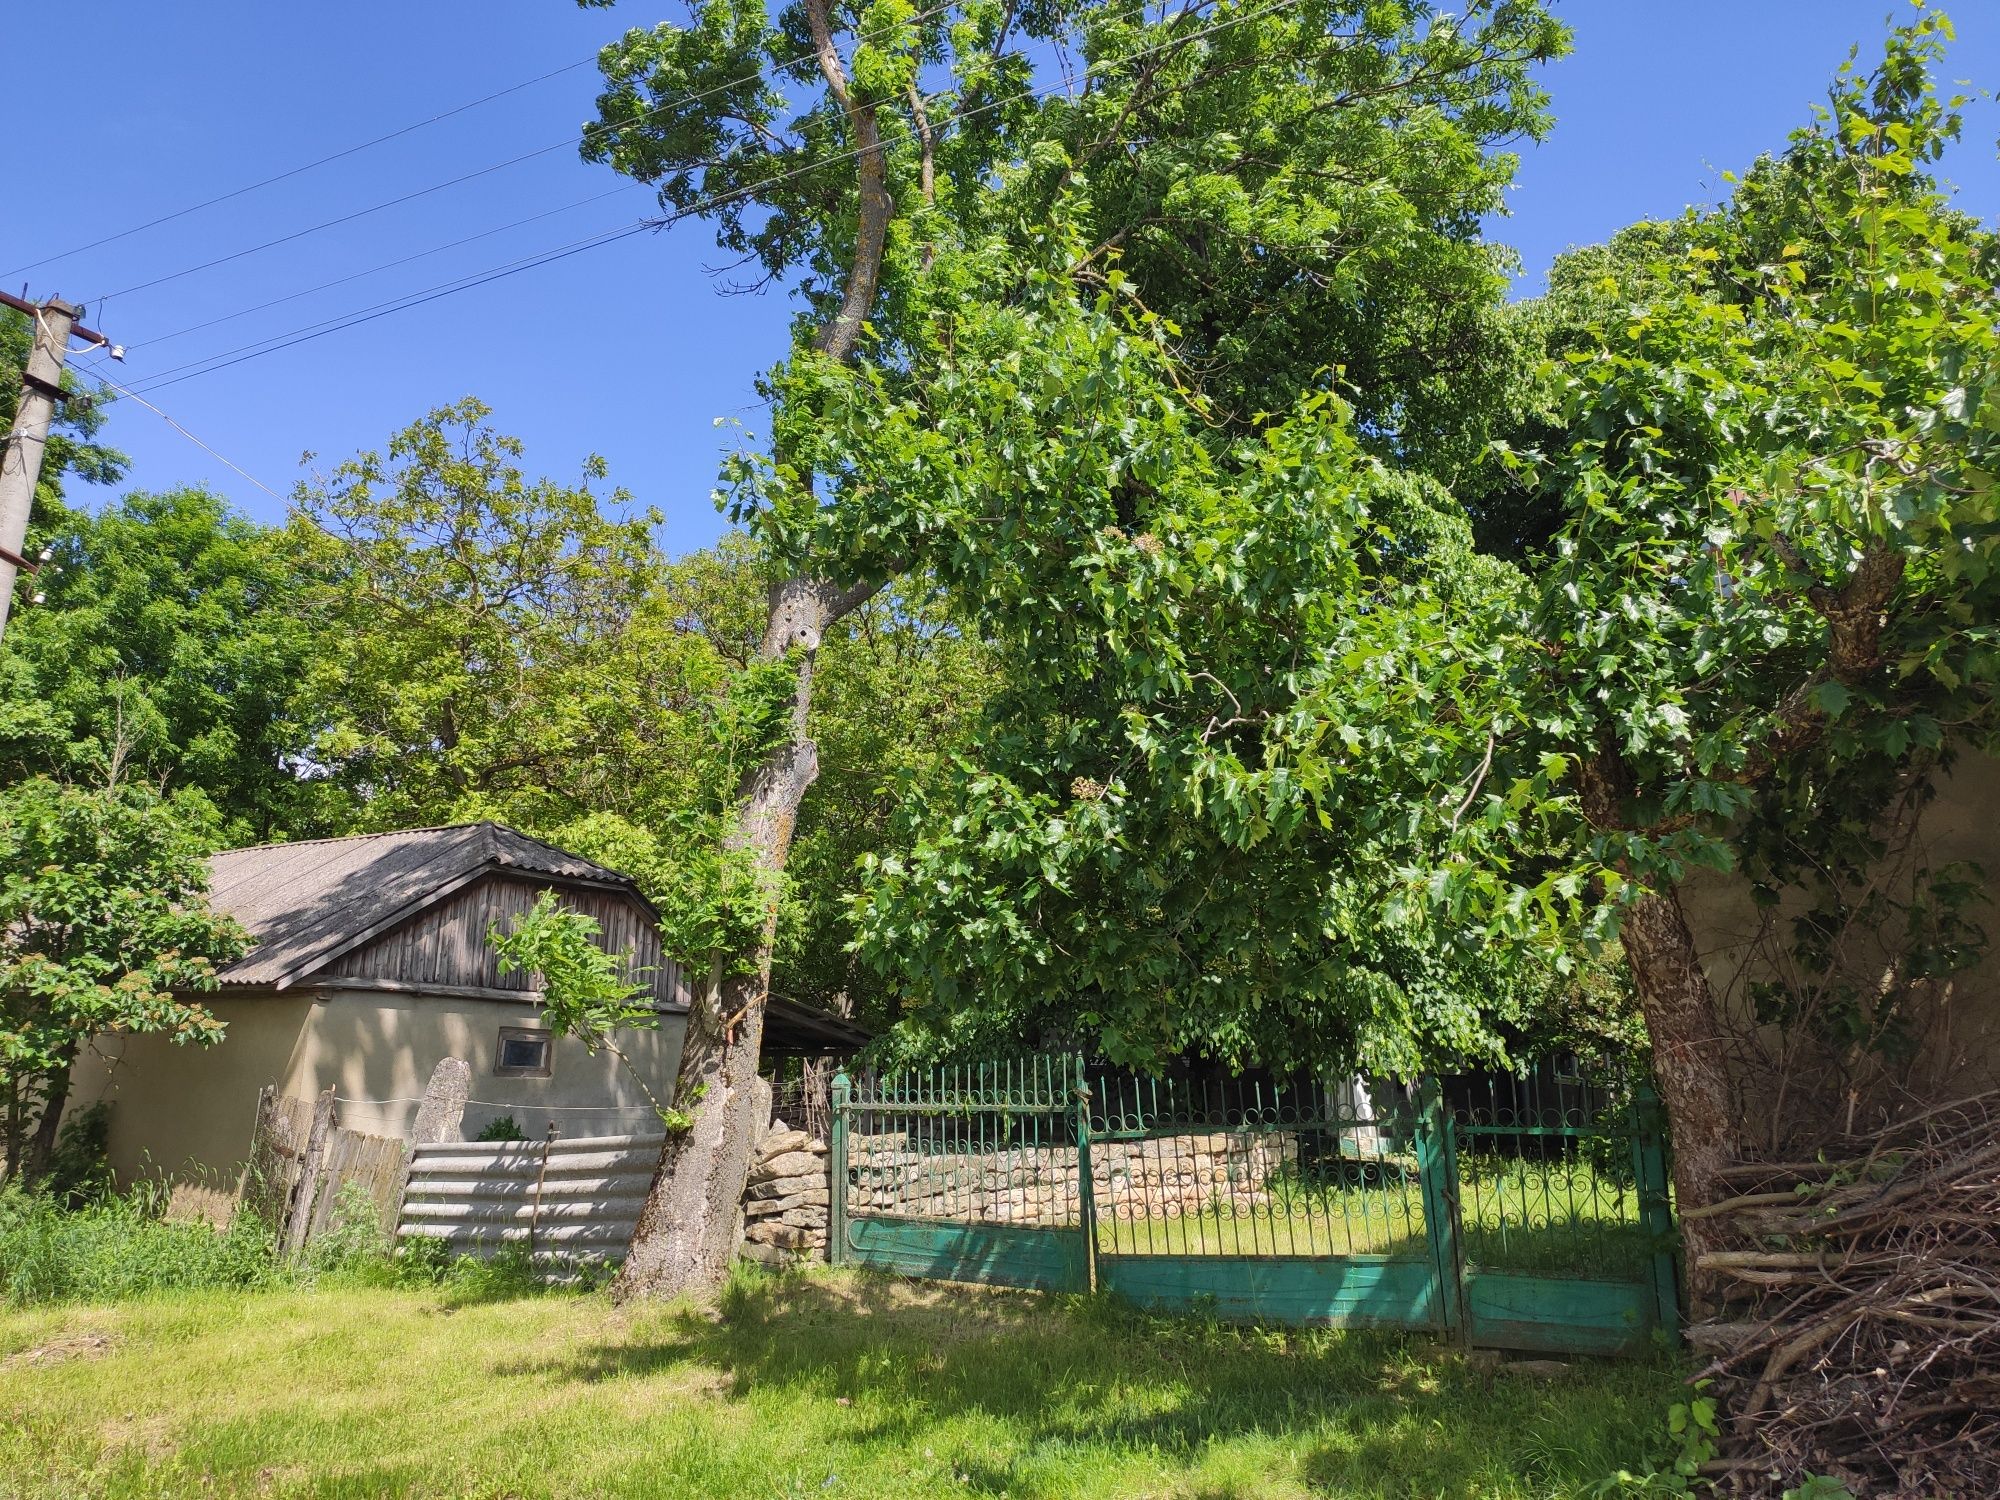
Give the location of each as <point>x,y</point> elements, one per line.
<point>1015,1389</point>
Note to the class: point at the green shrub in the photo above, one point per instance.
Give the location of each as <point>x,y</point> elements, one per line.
<point>502,1128</point>
<point>80,1168</point>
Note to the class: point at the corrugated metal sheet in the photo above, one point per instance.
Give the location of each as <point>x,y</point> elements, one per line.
<point>304,902</point>
<point>565,1202</point>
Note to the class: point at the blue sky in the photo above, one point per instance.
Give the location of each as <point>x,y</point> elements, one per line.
<point>629,350</point>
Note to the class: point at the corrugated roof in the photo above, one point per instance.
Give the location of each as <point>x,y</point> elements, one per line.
<point>305,902</point>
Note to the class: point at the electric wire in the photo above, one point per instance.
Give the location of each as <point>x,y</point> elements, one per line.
<point>387,265</point>
<point>437,187</point>
<point>104,380</point>
<point>256,349</point>
<point>182,213</point>
<point>210,364</point>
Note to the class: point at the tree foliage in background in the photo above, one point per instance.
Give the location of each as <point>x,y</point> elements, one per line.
<point>169,650</point>
<point>490,644</point>
<point>1769,605</point>
<point>105,930</point>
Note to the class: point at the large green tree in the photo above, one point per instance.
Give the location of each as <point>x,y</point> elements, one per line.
<point>1769,604</point>
<point>491,644</point>
<point>169,649</point>
<point>105,929</point>
<point>1290,175</point>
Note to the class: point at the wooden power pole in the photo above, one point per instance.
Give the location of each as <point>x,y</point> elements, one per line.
<point>21,459</point>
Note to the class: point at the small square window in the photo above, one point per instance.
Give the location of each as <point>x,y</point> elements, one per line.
<point>523,1053</point>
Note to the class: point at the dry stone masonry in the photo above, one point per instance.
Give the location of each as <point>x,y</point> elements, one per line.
<point>1166,1177</point>
<point>785,1202</point>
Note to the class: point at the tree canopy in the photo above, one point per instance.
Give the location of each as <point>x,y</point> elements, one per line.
<point>104,929</point>
<point>168,649</point>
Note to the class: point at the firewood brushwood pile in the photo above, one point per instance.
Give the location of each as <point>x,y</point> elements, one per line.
<point>1860,1331</point>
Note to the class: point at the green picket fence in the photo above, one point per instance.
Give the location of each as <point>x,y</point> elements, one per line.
<point>1535,1217</point>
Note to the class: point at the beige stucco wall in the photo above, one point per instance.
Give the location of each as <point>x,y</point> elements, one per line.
<point>1961,824</point>
<point>377,1051</point>
<point>187,1113</point>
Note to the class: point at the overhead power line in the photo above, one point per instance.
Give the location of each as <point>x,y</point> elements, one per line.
<point>387,265</point>
<point>437,187</point>
<point>114,386</point>
<point>341,155</point>
<point>209,364</point>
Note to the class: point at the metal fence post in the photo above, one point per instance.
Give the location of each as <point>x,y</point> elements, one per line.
<point>1649,1162</point>
<point>1437,1169</point>
<point>1086,1189</point>
<point>836,1208</point>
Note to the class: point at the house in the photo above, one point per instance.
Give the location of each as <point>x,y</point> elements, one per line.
<point>371,963</point>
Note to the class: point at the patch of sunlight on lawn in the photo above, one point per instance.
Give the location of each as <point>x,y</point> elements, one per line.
<point>832,1384</point>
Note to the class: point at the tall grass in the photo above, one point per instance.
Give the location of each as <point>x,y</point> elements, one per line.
<point>119,1247</point>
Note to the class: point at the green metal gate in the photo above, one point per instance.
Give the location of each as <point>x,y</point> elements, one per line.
<point>1513,1221</point>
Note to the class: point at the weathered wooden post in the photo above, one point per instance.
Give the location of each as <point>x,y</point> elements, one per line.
<point>268,1178</point>
<point>836,1155</point>
<point>298,1222</point>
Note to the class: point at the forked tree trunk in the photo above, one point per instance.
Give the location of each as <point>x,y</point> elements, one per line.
<point>1690,1067</point>
<point>688,1231</point>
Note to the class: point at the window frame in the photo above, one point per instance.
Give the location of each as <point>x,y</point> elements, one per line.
<point>524,1034</point>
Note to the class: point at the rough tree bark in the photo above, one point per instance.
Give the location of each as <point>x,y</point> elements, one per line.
<point>1690,1064</point>
<point>1683,1024</point>
<point>1690,1067</point>
<point>687,1232</point>
<point>41,1145</point>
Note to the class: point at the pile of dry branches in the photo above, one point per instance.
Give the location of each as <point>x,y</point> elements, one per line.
<point>1862,1334</point>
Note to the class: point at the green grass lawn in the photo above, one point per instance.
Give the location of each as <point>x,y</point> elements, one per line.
<point>1550,1218</point>
<point>831,1384</point>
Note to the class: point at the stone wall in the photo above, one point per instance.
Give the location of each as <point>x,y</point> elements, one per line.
<point>1167,1177</point>
<point>785,1201</point>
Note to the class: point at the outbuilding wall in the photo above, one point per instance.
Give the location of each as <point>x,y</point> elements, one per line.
<point>187,1112</point>
<point>1961,825</point>
<point>377,1051</point>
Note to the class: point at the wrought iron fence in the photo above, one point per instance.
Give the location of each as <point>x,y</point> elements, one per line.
<point>1533,1214</point>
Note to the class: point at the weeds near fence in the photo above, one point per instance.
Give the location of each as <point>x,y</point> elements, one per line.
<point>119,1247</point>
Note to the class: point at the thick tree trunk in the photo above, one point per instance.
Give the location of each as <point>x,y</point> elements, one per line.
<point>42,1144</point>
<point>688,1230</point>
<point>1690,1065</point>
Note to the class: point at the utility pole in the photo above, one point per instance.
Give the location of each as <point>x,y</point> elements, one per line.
<point>21,459</point>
